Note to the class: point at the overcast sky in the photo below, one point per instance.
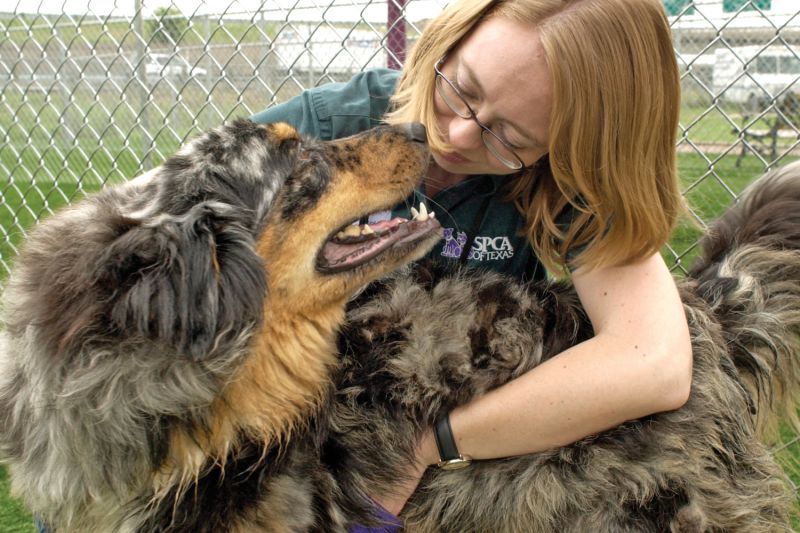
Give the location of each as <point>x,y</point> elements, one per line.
<point>331,10</point>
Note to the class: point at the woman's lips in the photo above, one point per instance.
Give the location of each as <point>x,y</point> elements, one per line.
<point>454,158</point>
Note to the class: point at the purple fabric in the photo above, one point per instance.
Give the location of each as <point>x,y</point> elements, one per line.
<point>389,523</point>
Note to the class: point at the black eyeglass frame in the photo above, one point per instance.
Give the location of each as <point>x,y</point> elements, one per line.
<point>471,114</point>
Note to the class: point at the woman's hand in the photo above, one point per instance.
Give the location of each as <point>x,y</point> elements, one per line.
<point>426,454</point>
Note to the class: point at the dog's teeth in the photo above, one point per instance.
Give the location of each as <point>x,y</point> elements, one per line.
<point>422,214</point>
<point>352,231</point>
<point>367,230</point>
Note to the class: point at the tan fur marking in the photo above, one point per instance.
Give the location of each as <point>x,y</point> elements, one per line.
<point>288,369</point>
<point>182,466</point>
<point>283,131</point>
<point>285,375</point>
<point>292,355</point>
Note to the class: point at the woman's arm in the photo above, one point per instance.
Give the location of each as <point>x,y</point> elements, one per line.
<point>638,363</point>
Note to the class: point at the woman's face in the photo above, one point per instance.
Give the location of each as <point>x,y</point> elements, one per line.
<point>500,71</point>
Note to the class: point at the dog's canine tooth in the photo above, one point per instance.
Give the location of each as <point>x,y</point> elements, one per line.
<point>422,214</point>
<point>352,231</point>
<point>367,230</point>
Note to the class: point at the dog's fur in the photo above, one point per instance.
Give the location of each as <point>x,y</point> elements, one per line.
<point>423,342</point>
<point>169,345</point>
<point>176,334</point>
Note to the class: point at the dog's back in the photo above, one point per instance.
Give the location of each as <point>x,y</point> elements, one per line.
<point>749,273</point>
<point>437,339</point>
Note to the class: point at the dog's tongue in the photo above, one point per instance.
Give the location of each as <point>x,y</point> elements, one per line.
<point>348,245</point>
<point>359,243</point>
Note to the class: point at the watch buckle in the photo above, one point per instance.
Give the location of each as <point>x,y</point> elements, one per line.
<point>458,463</point>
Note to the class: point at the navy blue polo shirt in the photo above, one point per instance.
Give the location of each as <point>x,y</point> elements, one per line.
<point>482,228</point>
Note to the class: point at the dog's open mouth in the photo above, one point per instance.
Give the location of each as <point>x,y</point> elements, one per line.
<point>356,244</point>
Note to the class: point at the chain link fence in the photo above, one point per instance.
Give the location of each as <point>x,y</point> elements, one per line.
<point>740,109</point>
<point>98,93</point>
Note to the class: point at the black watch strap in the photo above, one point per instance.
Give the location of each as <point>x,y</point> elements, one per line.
<point>444,440</point>
<point>448,451</point>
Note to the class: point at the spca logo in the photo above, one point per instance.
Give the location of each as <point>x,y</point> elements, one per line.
<point>483,248</point>
<point>453,244</point>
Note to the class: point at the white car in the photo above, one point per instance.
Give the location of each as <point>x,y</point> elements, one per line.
<point>168,65</point>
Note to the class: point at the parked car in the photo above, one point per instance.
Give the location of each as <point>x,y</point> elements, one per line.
<point>170,65</point>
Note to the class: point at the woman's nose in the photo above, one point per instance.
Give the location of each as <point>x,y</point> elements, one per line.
<point>465,133</point>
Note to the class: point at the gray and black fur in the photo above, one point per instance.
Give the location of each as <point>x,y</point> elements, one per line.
<point>138,324</point>
<point>426,340</point>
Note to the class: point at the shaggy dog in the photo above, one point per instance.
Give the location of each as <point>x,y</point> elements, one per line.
<point>169,358</point>
<point>167,341</point>
<point>424,341</point>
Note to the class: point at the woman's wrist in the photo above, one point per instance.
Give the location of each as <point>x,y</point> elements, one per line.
<point>427,451</point>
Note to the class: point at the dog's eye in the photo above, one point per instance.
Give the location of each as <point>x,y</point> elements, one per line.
<point>305,185</point>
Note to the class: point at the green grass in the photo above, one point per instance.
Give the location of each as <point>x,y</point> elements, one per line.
<point>14,518</point>
<point>99,32</point>
<point>22,204</point>
<point>706,120</point>
<point>709,183</point>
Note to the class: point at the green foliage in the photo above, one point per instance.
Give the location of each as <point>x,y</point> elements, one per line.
<point>168,27</point>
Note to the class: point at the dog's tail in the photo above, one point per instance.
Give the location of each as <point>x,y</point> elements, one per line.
<point>750,275</point>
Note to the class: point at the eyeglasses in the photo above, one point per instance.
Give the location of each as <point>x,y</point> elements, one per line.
<point>455,101</point>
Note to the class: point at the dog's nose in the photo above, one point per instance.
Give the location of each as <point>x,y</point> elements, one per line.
<point>415,131</point>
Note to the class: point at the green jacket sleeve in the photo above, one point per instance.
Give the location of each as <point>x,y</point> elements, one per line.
<point>337,110</point>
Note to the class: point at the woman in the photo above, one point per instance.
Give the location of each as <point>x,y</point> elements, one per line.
<point>570,109</point>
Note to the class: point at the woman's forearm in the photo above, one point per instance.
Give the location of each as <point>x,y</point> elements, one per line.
<point>591,387</point>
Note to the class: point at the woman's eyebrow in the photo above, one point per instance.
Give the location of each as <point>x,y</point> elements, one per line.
<point>470,75</point>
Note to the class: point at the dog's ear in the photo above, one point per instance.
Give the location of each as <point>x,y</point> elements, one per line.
<point>192,281</point>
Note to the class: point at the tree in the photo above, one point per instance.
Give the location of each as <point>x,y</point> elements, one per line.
<point>168,25</point>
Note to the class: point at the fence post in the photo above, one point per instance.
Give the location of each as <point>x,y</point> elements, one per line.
<point>140,74</point>
<point>395,34</point>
